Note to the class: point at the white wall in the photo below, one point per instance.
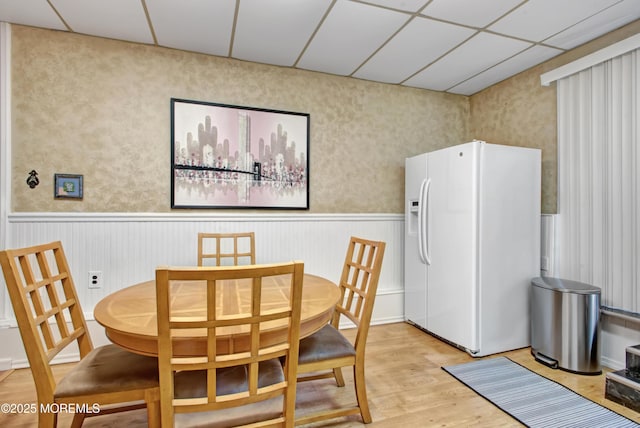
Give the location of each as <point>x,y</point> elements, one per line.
<point>617,335</point>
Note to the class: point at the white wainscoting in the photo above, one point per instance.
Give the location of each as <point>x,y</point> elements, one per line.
<point>127,248</point>
<point>548,245</point>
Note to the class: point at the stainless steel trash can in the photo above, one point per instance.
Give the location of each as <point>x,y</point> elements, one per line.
<point>565,324</point>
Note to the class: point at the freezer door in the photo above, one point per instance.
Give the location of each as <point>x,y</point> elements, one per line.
<point>452,221</point>
<point>415,273</point>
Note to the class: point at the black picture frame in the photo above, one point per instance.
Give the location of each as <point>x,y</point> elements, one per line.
<point>228,156</point>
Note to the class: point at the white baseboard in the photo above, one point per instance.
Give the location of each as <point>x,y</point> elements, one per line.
<point>5,364</point>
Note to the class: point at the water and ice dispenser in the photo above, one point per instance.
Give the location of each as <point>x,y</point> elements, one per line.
<point>412,218</point>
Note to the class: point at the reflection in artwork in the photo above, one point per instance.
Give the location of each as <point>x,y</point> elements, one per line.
<point>235,157</point>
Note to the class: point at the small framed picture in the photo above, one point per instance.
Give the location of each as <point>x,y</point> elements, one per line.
<point>67,186</point>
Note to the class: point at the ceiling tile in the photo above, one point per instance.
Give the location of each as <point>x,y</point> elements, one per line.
<point>510,67</point>
<point>417,45</point>
<point>608,20</point>
<point>474,56</point>
<point>476,13</point>
<point>406,5</point>
<point>258,39</point>
<point>349,35</point>
<point>114,19</point>
<point>538,20</point>
<point>209,24</point>
<point>35,13</point>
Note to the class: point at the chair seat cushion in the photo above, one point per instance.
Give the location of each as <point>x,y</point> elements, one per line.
<point>327,343</point>
<point>231,417</point>
<point>230,380</point>
<point>109,369</point>
<point>191,384</point>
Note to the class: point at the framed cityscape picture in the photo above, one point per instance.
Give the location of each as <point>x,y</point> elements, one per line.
<point>225,156</point>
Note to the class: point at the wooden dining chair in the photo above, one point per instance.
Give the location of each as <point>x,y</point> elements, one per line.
<point>248,385</point>
<point>226,246</point>
<point>50,318</point>
<point>324,353</point>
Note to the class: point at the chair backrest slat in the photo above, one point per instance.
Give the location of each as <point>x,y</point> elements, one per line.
<point>359,284</point>
<point>249,320</point>
<point>44,301</point>
<point>226,248</point>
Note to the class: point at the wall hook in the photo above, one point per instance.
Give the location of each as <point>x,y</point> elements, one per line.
<point>33,180</point>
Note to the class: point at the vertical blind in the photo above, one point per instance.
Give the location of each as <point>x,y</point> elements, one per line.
<point>599,179</point>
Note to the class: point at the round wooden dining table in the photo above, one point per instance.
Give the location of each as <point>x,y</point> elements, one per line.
<point>129,315</point>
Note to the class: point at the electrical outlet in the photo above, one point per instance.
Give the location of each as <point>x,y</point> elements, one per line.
<point>95,279</point>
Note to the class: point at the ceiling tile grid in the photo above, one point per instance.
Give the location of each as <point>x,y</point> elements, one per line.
<point>115,19</point>
<point>478,14</point>
<point>596,25</point>
<point>421,42</point>
<point>197,26</point>
<point>528,58</point>
<point>35,13</point>
<point>538,20</point>
<point>276,32</point>
<point>350,34</point>
<point>477,54</point>
<point>458,46</point>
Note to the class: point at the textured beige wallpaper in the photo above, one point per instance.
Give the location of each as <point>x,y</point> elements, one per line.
<point>100,108</point>
<point>520,111</point>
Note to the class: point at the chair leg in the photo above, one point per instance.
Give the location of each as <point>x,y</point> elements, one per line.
<point>361,392</point>
<point>337,373</point>
<point>47,420</point>
<point>288,409</point>
<point>153,415</point>
<point>152,399</point>
<point>78,419</point>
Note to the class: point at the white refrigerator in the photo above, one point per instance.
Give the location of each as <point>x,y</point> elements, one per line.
<point>472,244</point>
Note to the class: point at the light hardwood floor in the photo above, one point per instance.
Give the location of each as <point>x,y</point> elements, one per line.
<point>406,384</point>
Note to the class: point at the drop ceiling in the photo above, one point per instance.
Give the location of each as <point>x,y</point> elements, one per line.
<point>457,46</point>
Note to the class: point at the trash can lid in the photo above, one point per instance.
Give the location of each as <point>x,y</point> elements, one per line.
<point>565,285</point>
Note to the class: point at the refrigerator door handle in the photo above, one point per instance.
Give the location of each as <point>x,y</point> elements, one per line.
<point>423,213</point>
